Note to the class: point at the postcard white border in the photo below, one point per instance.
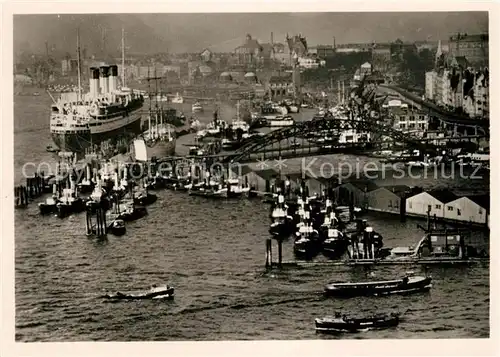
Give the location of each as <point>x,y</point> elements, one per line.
<point>8,347</point>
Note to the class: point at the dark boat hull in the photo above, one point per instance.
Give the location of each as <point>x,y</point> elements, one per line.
<point>64,210</point>
<point>79,142</point>
<point>118,231</point>
<point>355,325</point>
<point>370,289</point>
<point>46,209</point>
<point>281,230</point>
<point>138,213</point>
<point>306,249</point>
<point>335,249</point>
<point>145,200</point>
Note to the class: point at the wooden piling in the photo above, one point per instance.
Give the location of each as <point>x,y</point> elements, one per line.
<point>88,214</point>
<point>402,208</point>
<point>269,259</point>
<point>280,251</point>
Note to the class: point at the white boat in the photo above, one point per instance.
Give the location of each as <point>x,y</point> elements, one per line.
<point>281,120</point>
<point>196,108</point>
<point>79,120</point>
<point>161,98</point>
<point>177,99</point>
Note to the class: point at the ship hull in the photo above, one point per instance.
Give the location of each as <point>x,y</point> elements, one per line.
<point>161,149</point>
<point>78,142</point>
<point>144,151</point>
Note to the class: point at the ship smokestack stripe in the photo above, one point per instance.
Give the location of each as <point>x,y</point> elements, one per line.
<point>94,82</point>
<point>104,83</point>
<point>113,78</point>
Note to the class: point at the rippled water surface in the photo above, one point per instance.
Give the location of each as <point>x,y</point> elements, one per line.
<point>214,254</point>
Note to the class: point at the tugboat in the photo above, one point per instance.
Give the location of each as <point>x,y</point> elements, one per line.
<point>281,221</point>
<point>335,245</point>
<point>50,204</point>
<point>306,243</point>
<point>86,186</point>
<point>343,323</point>
<point>69,202</point>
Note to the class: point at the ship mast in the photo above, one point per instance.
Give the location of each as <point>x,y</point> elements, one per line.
<point>150,112</point>
<point>123,57</point>
<point>78,60</point>
<point>156,101</point>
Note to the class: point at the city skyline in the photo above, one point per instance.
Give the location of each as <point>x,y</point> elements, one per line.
<point>149,33</point>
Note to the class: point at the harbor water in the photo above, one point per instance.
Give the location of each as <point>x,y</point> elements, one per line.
<point>213,253</point>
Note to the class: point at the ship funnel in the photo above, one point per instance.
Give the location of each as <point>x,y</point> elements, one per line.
<point>113,78</point>
<point>104,84</point>
<point>94,82</point>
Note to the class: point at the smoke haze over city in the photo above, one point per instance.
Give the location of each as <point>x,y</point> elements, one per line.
<point>222,32</point>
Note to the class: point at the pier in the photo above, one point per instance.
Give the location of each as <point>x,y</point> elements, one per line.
<point>34,188</point>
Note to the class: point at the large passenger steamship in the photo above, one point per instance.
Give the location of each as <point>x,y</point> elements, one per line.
<point>104,112</point>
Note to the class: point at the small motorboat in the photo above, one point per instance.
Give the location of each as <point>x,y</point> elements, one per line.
<point>343,323</point>
<point>117,228</point>
<point>155,292</point>
<point>406,285</point>
<point>51,148</point>
<point>129,212</point>
<point>196,108</point>
<point>49,206</point>
<point>144,198</point>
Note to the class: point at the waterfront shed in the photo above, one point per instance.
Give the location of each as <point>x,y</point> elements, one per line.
<point>260,180</point>
<point>354,190</point>
<point>472,209</point>
<point>244,173</point>
<point>433,201</point>
<point>387,198</point>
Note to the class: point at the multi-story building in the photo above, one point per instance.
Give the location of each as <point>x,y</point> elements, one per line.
<point>430,84</point>
<point>457,85</point>
<point>476,94</point>
<point>280,86</point>
<point>249,52</point>
<point>410,120</point>
<point>473,47</point>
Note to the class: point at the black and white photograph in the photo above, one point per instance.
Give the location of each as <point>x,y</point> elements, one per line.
<point>249,176</point>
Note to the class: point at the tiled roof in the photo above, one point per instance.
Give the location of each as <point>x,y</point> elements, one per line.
<point>241,170</point>
<point>481,200</point>
<point>364,185</point>
<point>443,196</point>
<point>267,174</point>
